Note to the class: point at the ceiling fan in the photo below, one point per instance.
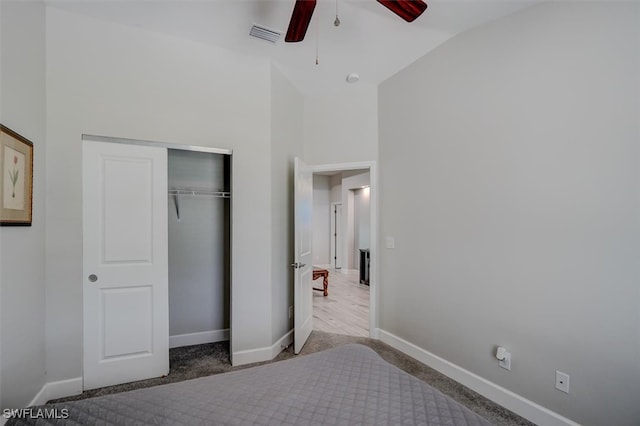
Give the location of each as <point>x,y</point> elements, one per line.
<point>408,10</point>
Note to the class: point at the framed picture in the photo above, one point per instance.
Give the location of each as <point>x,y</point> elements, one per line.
<point>16,178</point>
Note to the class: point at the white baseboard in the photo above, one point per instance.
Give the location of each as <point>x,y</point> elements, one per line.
<point>199,338</point>
<point>59,389</point>
<point>41,397</point>
<point>506,398</point>
<point>266,353</point>
<point>281,344</point>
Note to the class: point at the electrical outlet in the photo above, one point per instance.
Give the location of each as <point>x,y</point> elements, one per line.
<point>506,362</point>
<point>562,381</point>
<point>290,312</point>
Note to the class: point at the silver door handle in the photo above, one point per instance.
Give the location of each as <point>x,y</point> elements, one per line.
<point>298,265</point>
<point>93,278</point>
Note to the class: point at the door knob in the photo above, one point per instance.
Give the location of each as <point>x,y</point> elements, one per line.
<point>93,278</point>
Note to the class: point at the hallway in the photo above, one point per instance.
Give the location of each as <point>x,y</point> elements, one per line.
<point>346,309</point>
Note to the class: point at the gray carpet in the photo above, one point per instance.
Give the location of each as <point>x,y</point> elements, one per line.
<point>213,358</point>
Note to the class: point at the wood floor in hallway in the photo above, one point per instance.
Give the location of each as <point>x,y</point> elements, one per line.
<point>346,309</point>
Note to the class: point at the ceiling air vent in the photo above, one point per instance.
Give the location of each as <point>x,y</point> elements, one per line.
<point>264,33</point>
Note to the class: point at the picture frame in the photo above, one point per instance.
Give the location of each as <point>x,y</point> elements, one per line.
<point>16,179</point>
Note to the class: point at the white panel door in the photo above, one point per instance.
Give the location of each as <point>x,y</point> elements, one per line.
<point>302,290</point>
<point>125,264</point>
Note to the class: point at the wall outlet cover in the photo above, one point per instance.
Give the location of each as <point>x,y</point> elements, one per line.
<point>506,362</point>
<point>562,381</point>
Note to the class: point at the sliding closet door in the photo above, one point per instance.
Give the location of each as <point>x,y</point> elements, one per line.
<point>126,336</point>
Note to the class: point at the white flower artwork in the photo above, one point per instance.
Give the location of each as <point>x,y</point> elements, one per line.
<point>14,169</point>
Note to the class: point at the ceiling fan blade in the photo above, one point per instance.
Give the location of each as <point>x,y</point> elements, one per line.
<point>300,18</point>
<point>408,10</point>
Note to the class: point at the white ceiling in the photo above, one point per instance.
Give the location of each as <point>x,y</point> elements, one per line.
<point>371,40</point>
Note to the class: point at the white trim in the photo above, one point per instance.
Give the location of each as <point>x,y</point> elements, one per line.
<point>198,338</point>
<point>504,397</point>
<point>374,333</point>
<point>281,344</point>
<point>40,398</point>
<point>373,231</point>
<point>110,139</point>
<point>59,389</point>
<point>338,167</point>
<point>266,353</point>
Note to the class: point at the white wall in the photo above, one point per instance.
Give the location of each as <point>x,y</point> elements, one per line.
<point>112,80</point>
<point>341,127</point>
<point>521,145</point>
<point>362,221</point>
<point>355,219</point>
<point>321,219</point>
<point>22,261</point>
<point>351,180</point>
<point>286,143</point>
<point>336,188</point>
<point>198,247</point>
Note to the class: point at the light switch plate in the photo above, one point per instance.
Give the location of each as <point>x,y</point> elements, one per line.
<point>391,242</point>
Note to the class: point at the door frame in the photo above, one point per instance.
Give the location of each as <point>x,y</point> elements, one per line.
<point>335,231</point>
<point>373,230</point>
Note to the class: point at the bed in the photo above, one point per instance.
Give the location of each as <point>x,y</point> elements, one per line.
<point>346,385</point>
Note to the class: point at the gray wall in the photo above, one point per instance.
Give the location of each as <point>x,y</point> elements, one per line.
<point>355,217</point>
<point>286,143</point>
<point>321,219</point>
<point>341,127</point>
<point>22,258</point>
<point>520,143</point>
<point>361,221</point>
<point>198,245</point>
<point>351,180</point>
<point>121,81</point>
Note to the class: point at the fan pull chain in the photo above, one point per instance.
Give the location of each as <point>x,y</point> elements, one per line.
<point>317,37</point>
<point>337,21</point>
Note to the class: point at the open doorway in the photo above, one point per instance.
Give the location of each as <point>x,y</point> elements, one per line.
<point>342,236</point>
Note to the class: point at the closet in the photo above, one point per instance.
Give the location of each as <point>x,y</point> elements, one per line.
<point>156,255</point>
<point>199,260</point>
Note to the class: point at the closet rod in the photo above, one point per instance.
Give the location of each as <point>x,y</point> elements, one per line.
<point>220,194</point>
<point>198,192</point>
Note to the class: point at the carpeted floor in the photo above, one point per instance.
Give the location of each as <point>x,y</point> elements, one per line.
<point>213,358</point>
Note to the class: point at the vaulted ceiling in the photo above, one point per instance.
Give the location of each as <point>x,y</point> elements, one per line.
<point>370,41</point>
